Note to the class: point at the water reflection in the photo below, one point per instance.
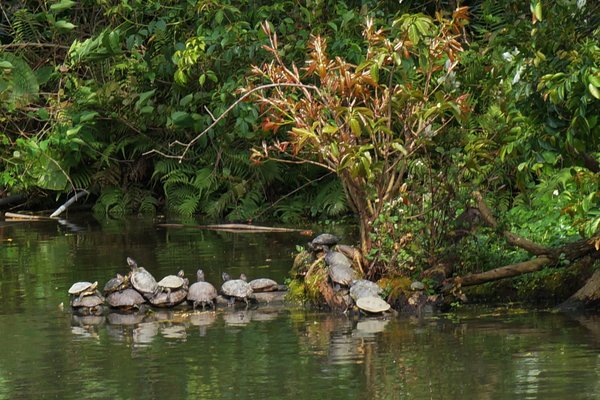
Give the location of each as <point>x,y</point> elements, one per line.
<point>267,352</point>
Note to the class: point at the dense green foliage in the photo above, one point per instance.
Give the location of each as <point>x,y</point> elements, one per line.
<point>88,89</point>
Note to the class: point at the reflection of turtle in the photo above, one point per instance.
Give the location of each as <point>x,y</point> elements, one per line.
<point>263,285</point>
<point>201,292</point>
<point>125,299</point>
<point>142,280</point>
<point>236,288</point>
<point>172,282</point>
<point>119,282</point>
<point>364,288</point>
<point>372,304</point>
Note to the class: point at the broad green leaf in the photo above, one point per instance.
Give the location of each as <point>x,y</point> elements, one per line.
<point>328,129</point>
<point>62,5</point>
<point>62,24</point>
<point>375,73</point>
<point>87,116</point>
<point>186,100</point>
<point>144,97</point>
<point>594,91</point>
<point>355,127</point>
<point>6,65</point>
<point>594,80</point>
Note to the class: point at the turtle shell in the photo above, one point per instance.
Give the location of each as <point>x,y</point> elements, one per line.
<point>201,293</point>
<point>172,281</point>
<point>83,287</point>
<point>326,239</point>
<point>236,288</point>
<point>143,281</point>
<point>119,282</point>
<point>89,301</point>
<point>344,275</point>
<point>168,299</point>
<point>263,285</point>
<point>364,288</point>
<point>337,258</point>
<point>372,304</point>
<point>127,298</point>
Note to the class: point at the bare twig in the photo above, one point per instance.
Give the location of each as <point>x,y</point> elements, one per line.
<point>21,45</point>
<point>227,111</point>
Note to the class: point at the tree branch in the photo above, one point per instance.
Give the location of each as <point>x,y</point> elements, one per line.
<point>512,238</point>
<point>227,111</point>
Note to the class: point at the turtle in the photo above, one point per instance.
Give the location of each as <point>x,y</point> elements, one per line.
<point>169,298</point>
<point>236,288</point>
<point>372,304</point>
<point>337,258</point>
<point>172,282</point>
<point>364,288</point>
<point>341,274</point>
<point>87,304</point>
<point>201,292</point>
<point>125,299</point>
<point>142,280</point>
<point>323,241</point>
<point>119,282</point>
<point>82,289</point>
<point>263,285</point>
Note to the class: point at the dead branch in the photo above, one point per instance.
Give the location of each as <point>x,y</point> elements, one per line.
<point>227,111</point>
<point>510,237</point>
<point>545,256</point>
<point>507,271</point>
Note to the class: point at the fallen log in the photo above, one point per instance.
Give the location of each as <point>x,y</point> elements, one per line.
<point>242,228</point>
<point>507,271</point>
<point>28,217</point>
<point>68,203</point>
<point>546,257</point>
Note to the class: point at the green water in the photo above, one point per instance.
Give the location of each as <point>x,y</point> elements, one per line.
<point>263,353</point>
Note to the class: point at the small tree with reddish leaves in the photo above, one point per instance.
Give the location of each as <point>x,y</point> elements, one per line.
<point>365,122</point>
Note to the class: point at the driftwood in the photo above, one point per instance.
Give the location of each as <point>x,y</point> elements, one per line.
<point>68,203</point>
<point>545,257</point>
<point>240,228</point>
<point>27,217</point>
<point>59,210</point>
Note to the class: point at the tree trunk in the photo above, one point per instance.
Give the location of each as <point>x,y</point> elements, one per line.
<point>586,297</point>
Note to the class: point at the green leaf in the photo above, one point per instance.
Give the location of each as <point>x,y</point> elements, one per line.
<point>355,127</point>
<point>87,116</point>
<point>594,91</point>
<point>62,5</point>
<point>186,100</point>
<point>594,80</point>
<point>375,73</point>
<point>6,65</point>
<point>65,25</point>
<point>329,129</point>
<point>144,97</point>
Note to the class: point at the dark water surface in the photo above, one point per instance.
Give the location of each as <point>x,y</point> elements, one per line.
<point>265,353</point>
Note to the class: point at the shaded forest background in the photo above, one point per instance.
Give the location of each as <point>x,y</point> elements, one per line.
<point>103,95</point>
